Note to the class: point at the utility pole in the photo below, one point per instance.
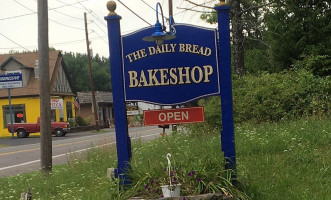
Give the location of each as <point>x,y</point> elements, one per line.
<point>170,11</point>
<point>45,106</point>
<point>95,111</point>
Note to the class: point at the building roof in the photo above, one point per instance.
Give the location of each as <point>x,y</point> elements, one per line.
<point>100,97</point>
<point>28,60</point>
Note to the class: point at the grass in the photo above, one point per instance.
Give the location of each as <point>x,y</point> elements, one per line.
<point>288,160</point>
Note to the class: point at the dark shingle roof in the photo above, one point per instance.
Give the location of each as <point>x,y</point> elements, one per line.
<point>100,97</point>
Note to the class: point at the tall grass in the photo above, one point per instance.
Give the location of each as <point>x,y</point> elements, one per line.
<point>289,160</point>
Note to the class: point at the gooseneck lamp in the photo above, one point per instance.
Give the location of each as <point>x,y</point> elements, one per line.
<point>160,35</point>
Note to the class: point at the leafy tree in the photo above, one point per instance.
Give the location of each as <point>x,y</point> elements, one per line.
<point>77,65</point>
<point>246,27</point>
<point>300,34</point>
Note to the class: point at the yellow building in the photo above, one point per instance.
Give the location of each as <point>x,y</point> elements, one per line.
<point>25,101</point>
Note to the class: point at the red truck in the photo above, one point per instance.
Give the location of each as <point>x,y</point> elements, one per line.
<point>23,130</point>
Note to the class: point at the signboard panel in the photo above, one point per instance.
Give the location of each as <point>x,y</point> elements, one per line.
<point>57,104</point>
<point>174,116</point>
<point>179,71</point>
<point>11,81</point>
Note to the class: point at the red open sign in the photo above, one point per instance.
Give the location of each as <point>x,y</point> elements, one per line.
<point>19,115</point>
<point>173,116</point>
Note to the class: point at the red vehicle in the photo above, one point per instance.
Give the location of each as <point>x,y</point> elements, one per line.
<point>23,130</point>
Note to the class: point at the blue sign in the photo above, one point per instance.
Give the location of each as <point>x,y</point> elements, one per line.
<point>181,70</point>
<point>193,65</point>
<point>11,81</point>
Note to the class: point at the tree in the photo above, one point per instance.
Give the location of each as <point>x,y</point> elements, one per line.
<point>245,23</point>
<point>300,34</point>
<point>78,70</point>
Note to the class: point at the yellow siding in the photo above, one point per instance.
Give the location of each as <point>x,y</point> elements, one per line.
<point>32,110</point>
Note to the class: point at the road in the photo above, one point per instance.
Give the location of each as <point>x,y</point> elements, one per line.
<point>23,155</point>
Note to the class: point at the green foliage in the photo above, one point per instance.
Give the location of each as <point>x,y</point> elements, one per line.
<point>80,121</point>
<point>288,95</point>
<point>83,178</point>
<point>299,29</point>
<point>77,65</point>
<point>271,98</point>
<point>72,123</point>
<point>257,61</point>
<point>196,164</point>
<point>288,160</point>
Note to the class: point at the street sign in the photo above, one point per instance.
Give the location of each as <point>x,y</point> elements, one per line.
<point>9,81</point>
<point>174,116</point>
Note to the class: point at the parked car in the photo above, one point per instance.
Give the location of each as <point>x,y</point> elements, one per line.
<point>23,130</point>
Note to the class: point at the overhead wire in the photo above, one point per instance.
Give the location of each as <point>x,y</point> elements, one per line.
<point>153,9</point>
<point>100,37</point>
<point>72,5</point>
<point>49,18</point>
<point>17,16</point>
<point>14,42</point>
<point>93,14</point>
<point>135,13</point>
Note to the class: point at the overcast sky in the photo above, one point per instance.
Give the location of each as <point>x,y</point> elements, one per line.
<point>19,31</point>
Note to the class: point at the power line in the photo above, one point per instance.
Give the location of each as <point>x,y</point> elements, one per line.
<point>49,18</point>
<point>100,37</point>
<point>99,27</point>
<point>72,5</point>
<point>17,16</point>
<point>135,13</point>
<point>14,42</point>
<point>61,43</point>
<point>93,14</point>
<point>153,9</point>
<point>65,25</point>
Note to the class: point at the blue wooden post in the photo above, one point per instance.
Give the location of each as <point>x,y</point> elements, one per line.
<point>11,115</point>
<point>224,60</point>
<point>116,67</point>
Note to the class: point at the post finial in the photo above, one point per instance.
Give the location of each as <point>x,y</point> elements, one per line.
<point>221,3</point>
<point>111,6</point>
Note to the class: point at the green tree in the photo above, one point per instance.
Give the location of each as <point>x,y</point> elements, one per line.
<point>299,33</point>
<point>78,69</point>
<point>247,31</point>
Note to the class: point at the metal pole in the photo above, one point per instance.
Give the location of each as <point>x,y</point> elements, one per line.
<point>95,111</point>
<point>170,10</point>
<point>11,115</point>
<point>45,106</point>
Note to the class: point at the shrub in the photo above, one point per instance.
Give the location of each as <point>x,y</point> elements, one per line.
<point>71,122</point>
<point>80,121</point>
<point>273,97</point>
<point>287,95</point>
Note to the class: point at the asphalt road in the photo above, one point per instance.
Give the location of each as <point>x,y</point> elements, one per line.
<point>23,155</point>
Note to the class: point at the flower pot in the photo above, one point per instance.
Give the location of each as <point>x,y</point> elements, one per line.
<point>171,190</point>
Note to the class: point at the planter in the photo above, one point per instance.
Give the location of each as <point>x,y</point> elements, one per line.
<point>171,190</point>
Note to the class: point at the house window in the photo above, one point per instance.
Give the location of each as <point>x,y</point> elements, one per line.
<point>18,114</point>
<point>69,110</point>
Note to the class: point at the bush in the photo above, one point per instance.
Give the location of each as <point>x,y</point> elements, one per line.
<point>71,122</point>
<point>80,121</point>
<point>287,95</point>
<point>273,97</point>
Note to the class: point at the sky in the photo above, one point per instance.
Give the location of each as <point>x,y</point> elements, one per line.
<point>19,23</point>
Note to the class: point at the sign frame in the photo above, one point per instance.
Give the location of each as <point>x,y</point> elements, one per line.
<point>116,66</point>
